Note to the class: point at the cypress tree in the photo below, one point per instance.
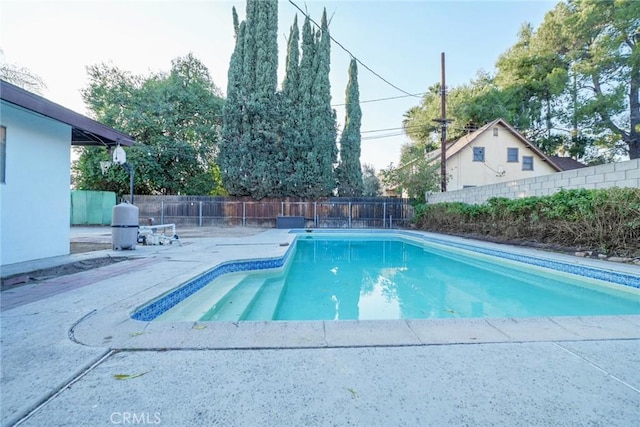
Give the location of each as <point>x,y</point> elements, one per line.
<point>326,127</point>
<point>250,134</point>
<point>283,143</point>
<point>236,25</point>
<point>305,162</point>
<point>232,151</point>
<point>349,172</point>
<point>319,128</point>
<point>263,133</point>
<point>290,116</point>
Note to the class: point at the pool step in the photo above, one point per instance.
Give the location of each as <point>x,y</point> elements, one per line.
<point>201,302</point>
<point>266,302</point>
<point>233,305</point>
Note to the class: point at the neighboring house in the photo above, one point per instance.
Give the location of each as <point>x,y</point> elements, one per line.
<point>494,153</point>
<point>36,136</point>
<point>567,163</point>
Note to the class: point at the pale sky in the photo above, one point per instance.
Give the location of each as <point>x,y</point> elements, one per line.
<point>400,40</point>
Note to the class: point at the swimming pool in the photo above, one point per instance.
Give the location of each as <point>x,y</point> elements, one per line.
<point>340,276</point>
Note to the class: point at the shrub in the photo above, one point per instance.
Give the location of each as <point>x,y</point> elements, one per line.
<point>607,220</point>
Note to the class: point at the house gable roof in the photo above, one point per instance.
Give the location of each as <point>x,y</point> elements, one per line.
<point>567,163</point>
<point>456,146</point>
<point>84,131</point>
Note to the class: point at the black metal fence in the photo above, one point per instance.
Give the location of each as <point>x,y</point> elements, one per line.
<point>333,212</point>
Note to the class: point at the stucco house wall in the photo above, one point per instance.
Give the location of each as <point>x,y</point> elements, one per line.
<point>463,171</point>
<point>35,198</point>
<point>495,138</point>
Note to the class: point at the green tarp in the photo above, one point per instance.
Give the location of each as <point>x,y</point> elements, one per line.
<point>92,207</point>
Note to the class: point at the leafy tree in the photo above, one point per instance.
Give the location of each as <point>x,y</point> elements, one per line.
<point>349,172</point>
<point>581,70</point>
<point>535,76</point>
<point>413,178</point>
<point>469,107</point>
<point>174,118</point>
<point>20,76</point>
<point>571,86</point>
<point>370,183</point>
<point>601,41</point>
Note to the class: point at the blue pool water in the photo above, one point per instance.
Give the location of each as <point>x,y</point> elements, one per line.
<point>340,278</point>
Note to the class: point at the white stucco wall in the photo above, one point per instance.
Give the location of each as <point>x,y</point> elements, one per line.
<point>35,199</point>
<point>462,170</point>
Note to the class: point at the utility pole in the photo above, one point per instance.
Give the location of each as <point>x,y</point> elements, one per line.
<point>443,129</point>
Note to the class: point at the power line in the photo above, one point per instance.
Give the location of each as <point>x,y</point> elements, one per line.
<point>391,135</point>
<point>379,130</point>
<point>351,54</point>
<point>383,99</point>
<point>388,129</point>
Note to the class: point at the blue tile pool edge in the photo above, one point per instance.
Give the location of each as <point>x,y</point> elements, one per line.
<point>152,310</point>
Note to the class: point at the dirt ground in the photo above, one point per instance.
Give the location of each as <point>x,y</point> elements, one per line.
<point>80,247</point>
<point>60,270</point>
<point>102,240</point>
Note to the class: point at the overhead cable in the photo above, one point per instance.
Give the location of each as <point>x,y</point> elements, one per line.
<point>383,99</point>
<point>351,54</point>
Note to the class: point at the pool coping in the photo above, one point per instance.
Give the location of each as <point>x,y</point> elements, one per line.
<point>98,330</point>
<point>113,327</point>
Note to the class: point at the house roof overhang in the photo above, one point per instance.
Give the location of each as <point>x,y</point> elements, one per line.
<point>84,131</point>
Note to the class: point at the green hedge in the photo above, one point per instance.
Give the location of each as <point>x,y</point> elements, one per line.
<point>607,220</point>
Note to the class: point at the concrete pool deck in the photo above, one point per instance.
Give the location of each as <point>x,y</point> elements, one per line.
<point>71,355</point>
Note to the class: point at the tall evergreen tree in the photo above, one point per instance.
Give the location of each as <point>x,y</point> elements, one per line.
<point>250,132</point>
<point>278,144</point>
<point>305,161</point>
<point>291,119</point>
<point>236,24</point>
<point>320,130</point>
<point>349,172</point>
<point>328,129</point>
<point>232,150</point>
<point>263,135</point>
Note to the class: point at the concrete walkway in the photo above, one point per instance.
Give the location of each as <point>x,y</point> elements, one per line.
<point>72,356</point>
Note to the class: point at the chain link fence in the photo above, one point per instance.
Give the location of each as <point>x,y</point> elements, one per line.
<point>335,212</point>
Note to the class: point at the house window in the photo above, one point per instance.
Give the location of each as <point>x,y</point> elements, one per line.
<point>495,131</point>
<point>527,163</point>
<point>3,153</point>
<point>512,154</point>
<point>478,154</point>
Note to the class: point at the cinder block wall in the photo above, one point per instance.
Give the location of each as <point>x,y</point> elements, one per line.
<point>622,174</point>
